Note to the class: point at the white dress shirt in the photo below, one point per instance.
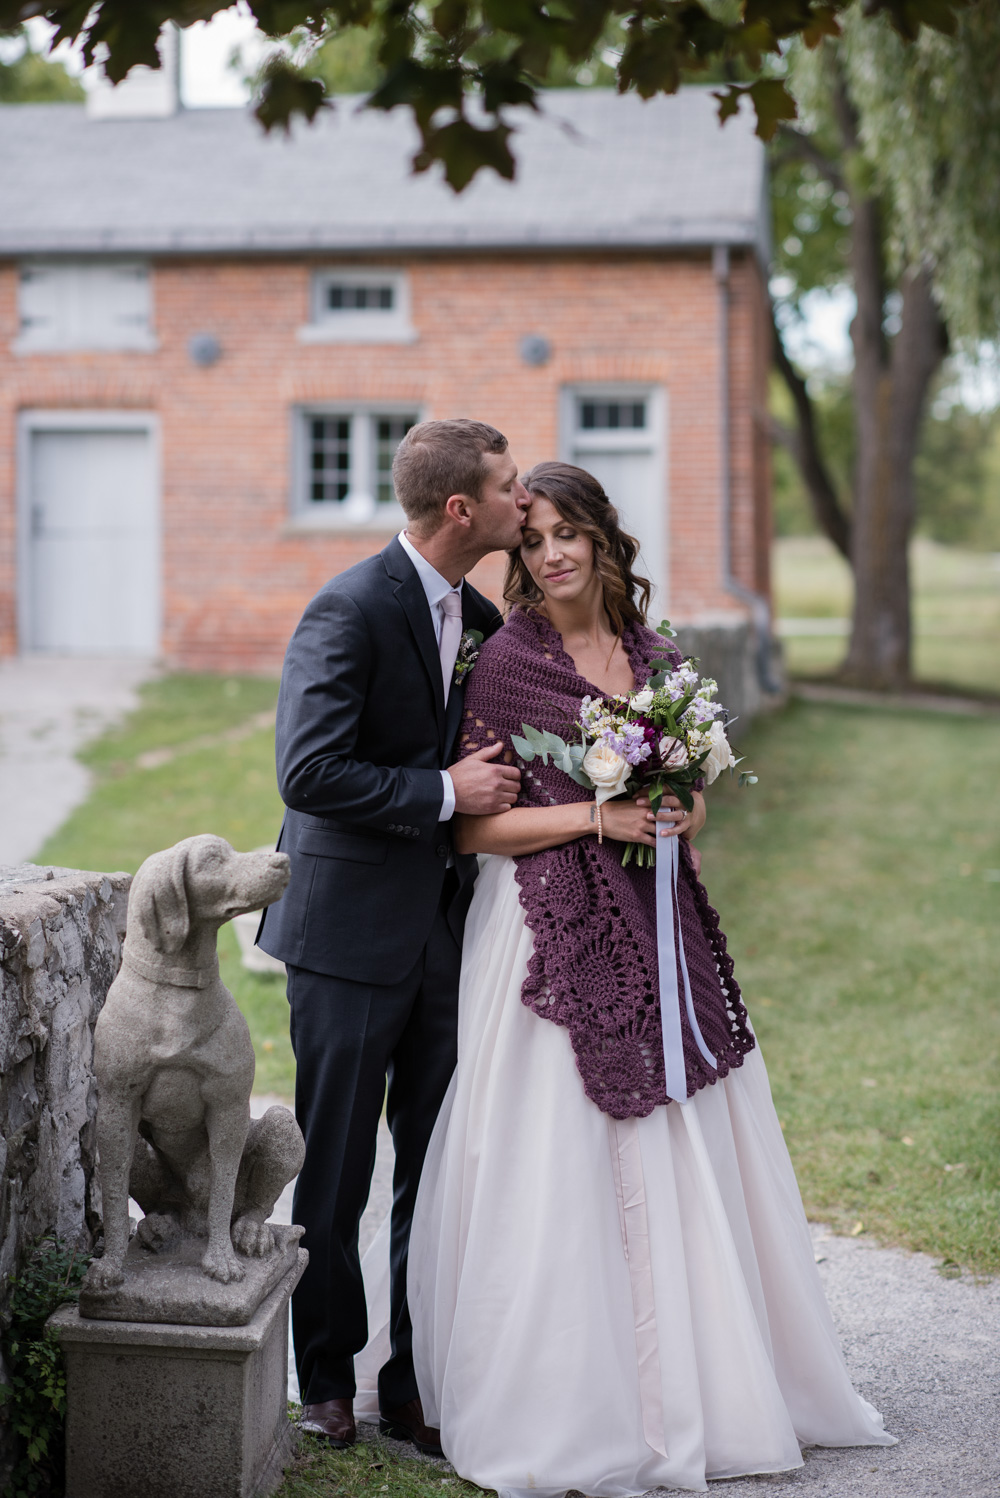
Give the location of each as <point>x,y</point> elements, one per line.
<point>435,587</point>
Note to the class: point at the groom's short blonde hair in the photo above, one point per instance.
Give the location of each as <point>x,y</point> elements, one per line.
<point>439,458</point>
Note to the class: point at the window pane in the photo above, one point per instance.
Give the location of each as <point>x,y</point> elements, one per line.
<point>611,416</point>
<point>375,296</point>
<point>329,458</point>
<point>389,432</point>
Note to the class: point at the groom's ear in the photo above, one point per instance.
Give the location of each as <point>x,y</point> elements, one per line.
<point>458,508</point>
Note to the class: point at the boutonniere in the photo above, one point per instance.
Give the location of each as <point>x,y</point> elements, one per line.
<point>468,654</point>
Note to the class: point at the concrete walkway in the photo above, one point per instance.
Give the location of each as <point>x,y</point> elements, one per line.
<point>50,706</point>
<point>923,1348</point>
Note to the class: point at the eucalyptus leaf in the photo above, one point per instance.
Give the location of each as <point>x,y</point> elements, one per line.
<point>522,748</point>
<point>563,760</point>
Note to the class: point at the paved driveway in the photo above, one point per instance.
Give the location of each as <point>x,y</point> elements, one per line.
<point>49,706</point>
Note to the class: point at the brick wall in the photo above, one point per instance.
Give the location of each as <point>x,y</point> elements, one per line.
<point>236,576</point>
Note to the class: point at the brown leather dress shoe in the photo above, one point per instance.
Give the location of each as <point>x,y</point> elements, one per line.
<point>406,1423</point>
<point>332,1421</point>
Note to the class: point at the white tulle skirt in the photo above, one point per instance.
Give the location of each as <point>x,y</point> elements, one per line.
<point>605,1306</point>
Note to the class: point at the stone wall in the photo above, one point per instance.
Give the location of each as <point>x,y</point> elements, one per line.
<point>60,948</point>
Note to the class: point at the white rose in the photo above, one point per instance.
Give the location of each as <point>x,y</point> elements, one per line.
<point>673,752</point>
<point>607,769</point>
<point>643,701</point>
<point>720,755</point>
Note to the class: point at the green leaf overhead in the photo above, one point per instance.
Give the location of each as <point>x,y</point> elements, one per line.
<point>432,59</point>
<point>284,93</point>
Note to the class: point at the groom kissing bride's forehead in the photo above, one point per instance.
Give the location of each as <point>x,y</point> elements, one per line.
<point>606,1281</point>
<point>371,925</point>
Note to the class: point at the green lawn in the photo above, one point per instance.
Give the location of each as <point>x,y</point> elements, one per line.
<point>368,1471</point>
<point>859,883</point>
<point>956,610</point>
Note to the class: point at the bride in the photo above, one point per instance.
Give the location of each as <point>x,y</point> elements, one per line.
<point>610,1290</point>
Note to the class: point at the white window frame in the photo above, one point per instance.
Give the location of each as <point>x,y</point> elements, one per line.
<point>574,441</point>
<point>373,325</point>
<point>143,340</point>
<point>338,514</point>
<point>103,420</point>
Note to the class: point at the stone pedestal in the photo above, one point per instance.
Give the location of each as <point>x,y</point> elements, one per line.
<point>167,1411</point>
<point>171,1286</point>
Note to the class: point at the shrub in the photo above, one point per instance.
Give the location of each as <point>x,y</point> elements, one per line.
<point>35,1397</point>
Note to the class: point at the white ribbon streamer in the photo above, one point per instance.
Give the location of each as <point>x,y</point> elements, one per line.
<point>670,948</point>
<point>630,1187</point>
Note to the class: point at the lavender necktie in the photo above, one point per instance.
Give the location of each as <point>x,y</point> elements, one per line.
<point>451,635</point>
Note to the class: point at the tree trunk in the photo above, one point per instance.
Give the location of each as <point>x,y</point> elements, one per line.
<point>890,385</point>
<point>890,391</point>
<point>803,444</point>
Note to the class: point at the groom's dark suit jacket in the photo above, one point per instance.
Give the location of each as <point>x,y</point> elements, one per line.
<point>362,736</point>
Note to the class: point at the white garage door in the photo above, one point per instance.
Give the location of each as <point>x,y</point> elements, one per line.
<point>93,556</point>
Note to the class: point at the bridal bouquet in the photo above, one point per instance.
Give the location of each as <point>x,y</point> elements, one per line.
<point>661,739</point>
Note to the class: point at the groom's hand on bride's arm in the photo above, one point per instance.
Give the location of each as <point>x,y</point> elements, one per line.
<point>483,788</point>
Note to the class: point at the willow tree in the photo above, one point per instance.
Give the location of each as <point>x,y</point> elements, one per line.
<point>890,182</point>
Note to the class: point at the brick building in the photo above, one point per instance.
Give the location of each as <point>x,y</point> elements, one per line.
<point>211,341</point>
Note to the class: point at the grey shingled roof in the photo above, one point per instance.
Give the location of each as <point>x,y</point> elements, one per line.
<point>594,170</point>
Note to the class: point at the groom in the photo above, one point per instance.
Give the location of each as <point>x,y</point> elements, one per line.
<point>371,924</point>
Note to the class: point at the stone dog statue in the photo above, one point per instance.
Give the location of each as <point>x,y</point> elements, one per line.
<point>175,1068</point>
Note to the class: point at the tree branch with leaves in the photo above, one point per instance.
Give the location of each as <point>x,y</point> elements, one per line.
<point>434,58</point>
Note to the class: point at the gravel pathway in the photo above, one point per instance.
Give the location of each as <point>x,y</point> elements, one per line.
<point>926,1351</point>
<point>49,706</point>
<point>923,1348</point>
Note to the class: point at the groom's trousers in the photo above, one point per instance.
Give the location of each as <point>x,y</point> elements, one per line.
<point>348,1039</point>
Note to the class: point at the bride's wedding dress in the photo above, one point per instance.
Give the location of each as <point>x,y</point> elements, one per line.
<point>602,1305</point>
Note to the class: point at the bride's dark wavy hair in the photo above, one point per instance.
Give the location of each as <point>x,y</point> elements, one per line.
<point>579,499</point>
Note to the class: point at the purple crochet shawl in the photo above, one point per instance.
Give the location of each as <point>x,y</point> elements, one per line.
<point>594,967</point>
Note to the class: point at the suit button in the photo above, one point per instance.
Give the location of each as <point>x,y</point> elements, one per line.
<point>441,850</point>
<point>393,827</point>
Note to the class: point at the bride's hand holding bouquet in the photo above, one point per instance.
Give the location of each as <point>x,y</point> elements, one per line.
<point>662,740</point>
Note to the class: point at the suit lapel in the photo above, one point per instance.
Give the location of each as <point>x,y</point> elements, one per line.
<point>413,601</point>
